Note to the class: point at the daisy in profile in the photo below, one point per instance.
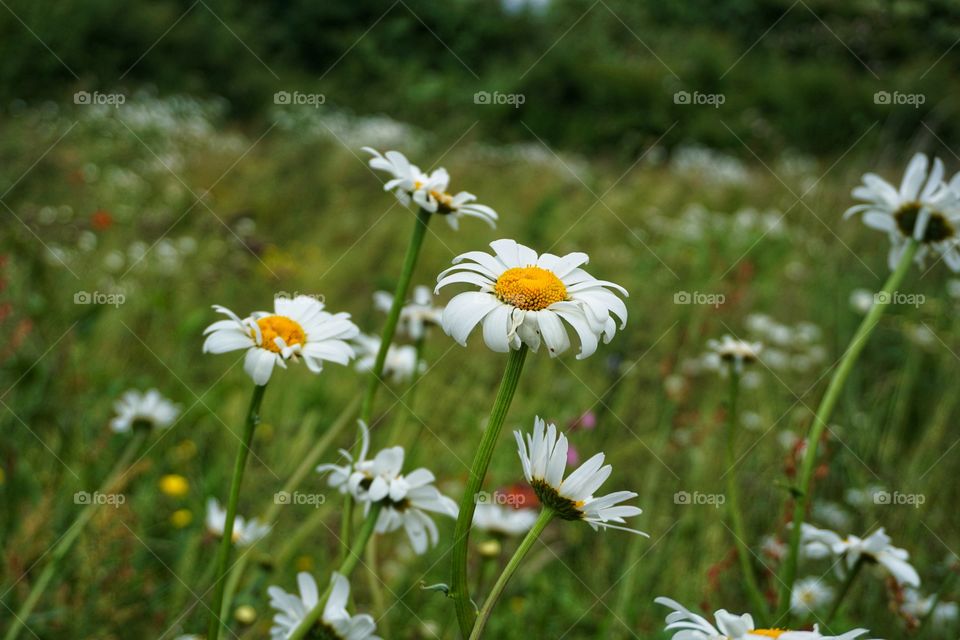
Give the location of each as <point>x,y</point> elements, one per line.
<point>405,499</point>
<point>298,328</point>
<point>401,362</point>
<point>525,298</point>
<point>544,459</point>
<point>923,208</point>
<point>727,626</point>
<point>428,190</point>
<point>503,520</point>
<point>736,352</point>
<point>809,595</point>
<point>874,549</point>
<point>336,623</point>
<point>149,410</point>
<point>245,532</point>
<point>417,316</point>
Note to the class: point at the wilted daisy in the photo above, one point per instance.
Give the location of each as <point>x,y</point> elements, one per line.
<point>503,520</point>
<point>875,549</point>
<point>428,191</point>
<point>735,351</point>
<point>544,459</point>
<point>727,626</point>
<point>416,316</point>
<point>298,328</point>
<point>924,208</point>
<point>336,623</point>
<point>525,298</point>
<point>149,410</point>
<point>405,499</point>
<point>400,364</point>
<point>245,532</point>
<point>809,594</point>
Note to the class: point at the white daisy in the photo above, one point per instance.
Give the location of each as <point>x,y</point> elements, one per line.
<point>523,298</point>
<point>544,459</point>
<point>428,191</point>
<point>336,623</point>
<point>924,208</point>
<point>727,626</point>
<point>918,606</point>
<point>298,328</point>
<point>809,594</point>
<point>404,498</point>
<point>245,532</point>
<point>735,351</point>
<point>503,520</point>
<point>151,410</point>
<point>400,364</point>
<point>417,316</point>
<point>875,548</point>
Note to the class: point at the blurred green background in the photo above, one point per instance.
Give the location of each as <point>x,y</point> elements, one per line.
<point>200,189</point>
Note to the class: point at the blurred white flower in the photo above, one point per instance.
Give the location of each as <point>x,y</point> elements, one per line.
<point>504,520</point>
<point>245,532</point>
<point>831,514</point>
<point>416,316</point>
<point>809,594</point>
<point>918,606</point>
<point>544,458</point>
<point>736,352</point>
<point>400,364</point>
<point>150,410</point>
<point>727,626</point>
<point>861,300</point>
<point>336,623</point>
<point>875,548</point>
<point>298,328</point>
<point>428,191</point>
<point>524,298</point>
<point>924,208</point>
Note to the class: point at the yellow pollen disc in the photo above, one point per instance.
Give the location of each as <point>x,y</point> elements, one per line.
<point>530,288</point>
<point>283,327</point>
<point>768,633</point>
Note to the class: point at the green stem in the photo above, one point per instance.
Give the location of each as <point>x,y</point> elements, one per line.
<point>844,589</point>
<point>824,412</point>
<point>459,588</point>
<point>546,515</point>
<point>66,541</point>
<point>734,511</point>
<point>346,568</point>
<point>226,543</point>
<point>393,317</point>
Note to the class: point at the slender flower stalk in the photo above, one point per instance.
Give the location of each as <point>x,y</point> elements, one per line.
<point>733,494</point>
<point>73,533</point>
<point>460,590</point>
<point>226,542</point>
<point>546,515</point>
<point>844,589</point>
<point>822,418</point>
<point>346,568</point>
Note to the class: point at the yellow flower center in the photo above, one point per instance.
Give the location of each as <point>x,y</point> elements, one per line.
<point>282,327</point>
<point>769,633</point>
<point>530,288</point>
